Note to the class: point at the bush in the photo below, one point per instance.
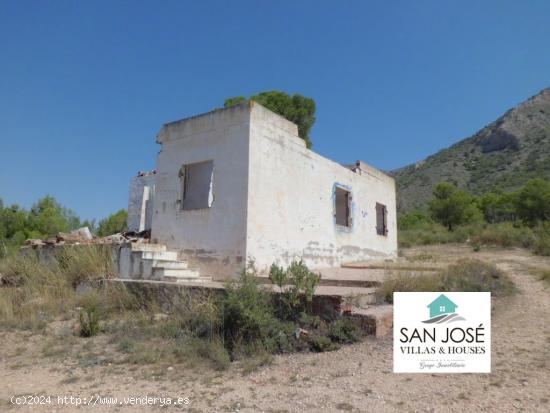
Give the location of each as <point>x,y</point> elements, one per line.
<point>344,331</point>
<point>247,311</point>
<point>506,234</point>
<point>297,286</point>
<point>321,343</point>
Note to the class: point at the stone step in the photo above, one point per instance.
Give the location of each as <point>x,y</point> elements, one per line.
<point>148,247</point>
<point>177,273</point>
<point>376,320</point>
<point>179,280</point>
<point>169,264</point>
<point>160,255</point>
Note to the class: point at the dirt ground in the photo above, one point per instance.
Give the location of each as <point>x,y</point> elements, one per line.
<point>355,378</point>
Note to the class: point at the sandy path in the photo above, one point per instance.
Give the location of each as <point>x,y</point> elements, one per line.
<point>355,378</point>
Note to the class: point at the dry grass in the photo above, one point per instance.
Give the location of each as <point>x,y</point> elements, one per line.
<point>465,275</point>
<point>407,282</point>
<point>143,326</point>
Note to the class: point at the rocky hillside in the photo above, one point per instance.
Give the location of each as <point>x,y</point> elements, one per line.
<point>503,155</point>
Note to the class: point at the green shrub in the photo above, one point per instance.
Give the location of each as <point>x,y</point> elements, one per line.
<point>321,343</point>
<point>297,286</point>
<point>309,321</point>
<point>344,331</point>
<point>247,311</point>
<point>506,234</point>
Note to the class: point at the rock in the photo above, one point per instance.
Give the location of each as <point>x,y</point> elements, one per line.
<point>83,233</point>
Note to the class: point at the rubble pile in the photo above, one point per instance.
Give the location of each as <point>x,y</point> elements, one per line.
<point>84,236</point>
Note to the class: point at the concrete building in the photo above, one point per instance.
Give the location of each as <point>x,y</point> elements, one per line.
<point>237,184</point>
<point>140,203</point>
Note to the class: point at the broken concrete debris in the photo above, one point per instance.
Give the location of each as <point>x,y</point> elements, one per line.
<point>84,236</point>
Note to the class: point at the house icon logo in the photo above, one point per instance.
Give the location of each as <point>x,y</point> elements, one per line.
<point>443,310</point>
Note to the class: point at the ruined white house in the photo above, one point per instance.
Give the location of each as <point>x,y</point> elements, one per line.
<point>238,183</point>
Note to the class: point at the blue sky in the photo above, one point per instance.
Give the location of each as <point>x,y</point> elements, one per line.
<point>85,86</point>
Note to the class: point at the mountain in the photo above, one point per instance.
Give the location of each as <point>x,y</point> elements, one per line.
<point>501,156</point>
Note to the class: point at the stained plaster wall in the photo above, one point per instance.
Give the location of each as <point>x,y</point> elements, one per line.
<point>212,239</point>
<point>291,201</point>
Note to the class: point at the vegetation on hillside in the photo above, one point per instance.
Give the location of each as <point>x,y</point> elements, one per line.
<point>296,108</point>
<point>500,157</point>
<point>520,218</point>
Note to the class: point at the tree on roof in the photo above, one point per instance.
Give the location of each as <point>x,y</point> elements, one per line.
<point>296,108</point>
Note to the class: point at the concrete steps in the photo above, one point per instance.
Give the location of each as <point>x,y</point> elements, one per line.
<point>155,262</point>
<point>160,255</point>
<point>159,272</point>
<point>170,264</point>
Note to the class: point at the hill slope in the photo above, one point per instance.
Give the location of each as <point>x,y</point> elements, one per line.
<point>503,155</point>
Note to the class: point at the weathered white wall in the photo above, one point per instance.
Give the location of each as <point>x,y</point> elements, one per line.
<point>212,239</point>
<point>272,197</point>
<point>291,205</point>
<point>140,202</point>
